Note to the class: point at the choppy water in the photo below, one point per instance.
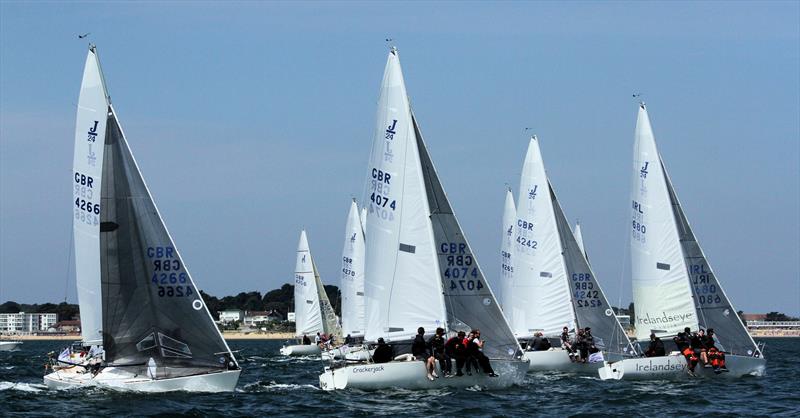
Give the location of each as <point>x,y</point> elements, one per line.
<point>275,385</point>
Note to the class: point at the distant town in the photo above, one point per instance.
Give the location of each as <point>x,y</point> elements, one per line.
<point>251,313</point>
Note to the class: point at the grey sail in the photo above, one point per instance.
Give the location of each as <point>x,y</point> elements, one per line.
<point>330,323</point>
<point>588,300</point>
<point>152,310</point>
<point>714,309</point>
<point>469,301</point>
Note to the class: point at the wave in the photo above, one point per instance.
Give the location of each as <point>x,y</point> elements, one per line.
<point>23,387</point>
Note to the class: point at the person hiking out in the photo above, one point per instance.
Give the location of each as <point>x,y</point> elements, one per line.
<point>419,349</point>
<point>454,348</point>
<point>436,347</point>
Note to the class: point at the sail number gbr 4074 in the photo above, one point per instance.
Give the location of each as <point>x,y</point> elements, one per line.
<point>381,203</point>
<point>460,268</point>
<point>168,274</point>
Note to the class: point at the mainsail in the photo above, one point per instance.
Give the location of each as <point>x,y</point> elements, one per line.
<point>352,275</point>
<point>661,290</point>
<point>152,310</point>
<point>579,238</point>
<point>506,252</point>
<point>401,264</point>
<point>90,133</point>
<point>308,315</point>
<point>417,254</point>
<point>541,291</point>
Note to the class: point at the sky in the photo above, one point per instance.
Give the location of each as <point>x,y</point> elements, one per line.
<point>252,120</point>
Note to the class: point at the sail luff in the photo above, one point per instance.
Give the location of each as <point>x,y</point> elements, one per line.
<point>90,131</point>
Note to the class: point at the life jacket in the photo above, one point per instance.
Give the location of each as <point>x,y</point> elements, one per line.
<point>716,357</point>
<point>689,353</point>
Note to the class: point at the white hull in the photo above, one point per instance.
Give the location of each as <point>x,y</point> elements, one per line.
<point>557,359</point>
<point>412,375</point>
<point>674,366</point>
<point>300,350</point>
<point>116,379</point>
<point>349,354</point>
<point>9,345</point>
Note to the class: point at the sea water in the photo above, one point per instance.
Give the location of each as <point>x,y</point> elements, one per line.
<point>274,385</point>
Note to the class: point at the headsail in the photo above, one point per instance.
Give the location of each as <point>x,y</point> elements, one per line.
<point>352,275</point>
<point>401,263</point>
<point>661,292</point>
<point>579,238</point>
<point>506,253</point>
<point>152,310</point>
<point>540,280</point>
<point>713,307</point>
<point>308,315</point>
<point>90,133</point>
<point>330,322</point>
<point>591,306</point>
<point>469,301</point>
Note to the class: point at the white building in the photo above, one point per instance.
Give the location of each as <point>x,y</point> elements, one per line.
<point>27,322</point>
<point>230,315</point>
<point>290,317</point>
<point>251,318</point>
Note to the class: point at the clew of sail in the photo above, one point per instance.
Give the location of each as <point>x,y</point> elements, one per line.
<point>469,301</point>
<point>401,293</point>
<point>541,294</point>
<point>590,303</point>
<point>713,307</point>
<point>661,292</point>
<point>506,254</point>
<point>90,133</point>
<point>352,275</point>
<point>308,315</point>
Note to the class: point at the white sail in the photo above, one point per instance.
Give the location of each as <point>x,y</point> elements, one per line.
<point>90,133</point>
<point>308,316</point>
<point>661,292</point>
<point>401,291</point>
<point>541,290</point>
<point>579,238</point>
<point>506,254</point>
<point>352,275</point>
<point>363,220</point>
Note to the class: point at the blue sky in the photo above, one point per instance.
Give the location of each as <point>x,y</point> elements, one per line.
<point>251,120</point>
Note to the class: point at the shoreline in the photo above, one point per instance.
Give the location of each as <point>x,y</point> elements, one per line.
<point>225,335</point>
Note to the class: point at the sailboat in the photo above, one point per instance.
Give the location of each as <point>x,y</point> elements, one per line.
<point>673,284</point>
<point>419,269</point>
<point>352,286</point>
<point>313,311</point>
<point>507,251</point>
<point>553,284</point>
<point>156,332</point>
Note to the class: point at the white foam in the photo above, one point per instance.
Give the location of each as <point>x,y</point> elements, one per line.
<point>23,387</point>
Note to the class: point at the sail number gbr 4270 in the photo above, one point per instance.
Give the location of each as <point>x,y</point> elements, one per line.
<point>168,274</point>
<point>460,268</point>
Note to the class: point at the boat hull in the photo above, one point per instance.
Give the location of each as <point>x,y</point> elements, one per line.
<point>9,345</point>
<point>412,375</point>
<point>300,350</point>
<point>674,366</point>
<point>349,354</point>
<point>116,379</point>
<point>558,359</point>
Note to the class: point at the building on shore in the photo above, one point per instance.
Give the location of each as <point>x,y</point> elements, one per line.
<point>760,328</point>
<point>21,322</point>
<point>231,315</point>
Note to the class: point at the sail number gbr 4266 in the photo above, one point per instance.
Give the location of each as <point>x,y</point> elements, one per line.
<point>168,274</point>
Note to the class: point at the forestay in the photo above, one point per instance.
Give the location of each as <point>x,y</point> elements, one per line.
<point>469,300</point>
<point>352,275</point>
<point>152,310</point>
<point>308,315</point>
<point>713,307</point>
<point>90,133</point>
<point>540,282</point>
<point>661,292</point>
<point>401,292</point>
<point>590,303</point>
<point>506,253</point>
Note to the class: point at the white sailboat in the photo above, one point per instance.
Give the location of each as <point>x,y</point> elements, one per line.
<point>507,252</point>
<point>137,297</point>
<point>352,288</point>
<point>673,284</point>
<point>313,310</point>
<point>419,268</point>
<point>553,284</point>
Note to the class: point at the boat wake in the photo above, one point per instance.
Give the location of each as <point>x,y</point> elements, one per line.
<point>273,386</point>
<point>22,387</point>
